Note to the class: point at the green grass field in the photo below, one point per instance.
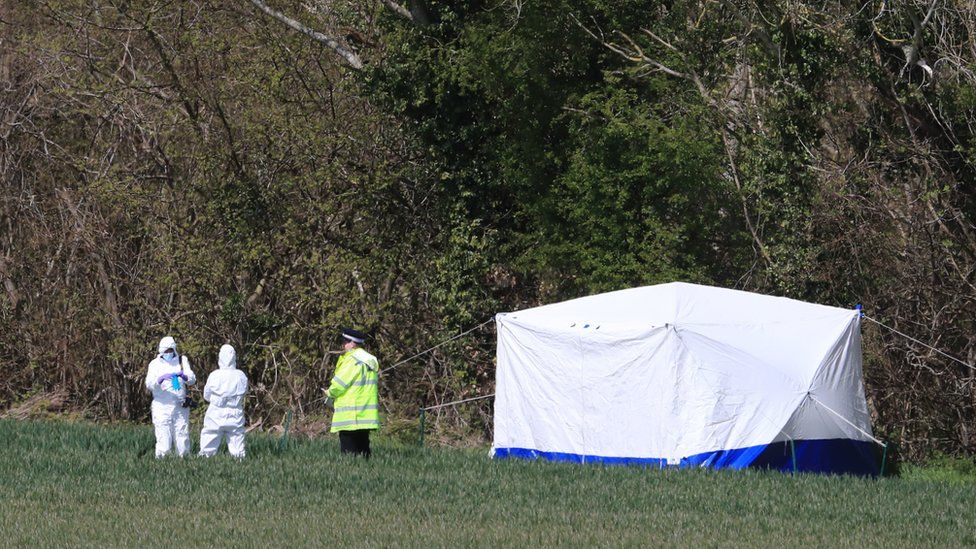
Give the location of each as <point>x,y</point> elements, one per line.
<point>80,484</point>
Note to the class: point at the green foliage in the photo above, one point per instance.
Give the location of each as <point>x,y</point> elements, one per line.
<point>944,469</point>
<point>204,171</point>
<point>590,180</point>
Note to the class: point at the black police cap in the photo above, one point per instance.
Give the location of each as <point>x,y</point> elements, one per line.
<point>353,335</point>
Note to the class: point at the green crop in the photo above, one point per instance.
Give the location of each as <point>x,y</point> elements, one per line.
<point>78,484</point>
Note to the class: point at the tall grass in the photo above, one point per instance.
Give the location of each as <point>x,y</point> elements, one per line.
<point>76,484</point>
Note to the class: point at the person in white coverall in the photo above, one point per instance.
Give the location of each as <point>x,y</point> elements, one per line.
<point>168,376</point>
<point>225,390</point>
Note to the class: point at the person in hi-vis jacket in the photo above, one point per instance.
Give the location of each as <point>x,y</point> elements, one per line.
<point>355,393</point>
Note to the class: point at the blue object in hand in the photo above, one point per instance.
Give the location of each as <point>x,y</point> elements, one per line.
<point>176,382</point>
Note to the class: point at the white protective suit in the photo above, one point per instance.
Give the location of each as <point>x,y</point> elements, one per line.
<point>224,391</point>
<point>170,419</point>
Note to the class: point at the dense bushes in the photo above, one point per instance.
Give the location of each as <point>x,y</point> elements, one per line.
<point>199,170</point>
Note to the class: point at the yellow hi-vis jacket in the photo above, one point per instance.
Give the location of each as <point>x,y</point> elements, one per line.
<point>356,393</point>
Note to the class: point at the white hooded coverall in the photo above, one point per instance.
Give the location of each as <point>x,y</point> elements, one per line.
<point>170,419</point>
<point>224,391</point>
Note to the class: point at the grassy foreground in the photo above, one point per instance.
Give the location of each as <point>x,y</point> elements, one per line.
<point>77,484</point>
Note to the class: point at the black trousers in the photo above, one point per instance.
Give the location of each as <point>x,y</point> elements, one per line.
<point>355,442</point>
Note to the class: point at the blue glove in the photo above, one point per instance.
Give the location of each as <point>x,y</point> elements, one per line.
<point>182,376</point>
<point>163,378</point>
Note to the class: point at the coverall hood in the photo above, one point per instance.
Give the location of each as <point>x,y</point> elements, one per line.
<point>167,343</point>
<point>227,359</point>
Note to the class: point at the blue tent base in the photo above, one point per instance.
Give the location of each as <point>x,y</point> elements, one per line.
<point>834,456</point>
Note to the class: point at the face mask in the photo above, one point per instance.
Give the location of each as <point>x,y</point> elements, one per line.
<point>169,356</point>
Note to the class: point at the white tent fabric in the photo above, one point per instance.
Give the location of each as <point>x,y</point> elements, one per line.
<point>676,373</point>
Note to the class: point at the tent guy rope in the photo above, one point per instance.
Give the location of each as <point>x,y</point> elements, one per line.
<point>441,344</point>
<point>422,420</point>
<point>446,404</point>
<point>422,353</point>
<point>847,421</point>
<point>923,344</point>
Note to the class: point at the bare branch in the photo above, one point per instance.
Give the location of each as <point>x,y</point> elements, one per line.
<point>639,55</point>
<point>398,9</point>
<point>350,56</point>
<point>660,40</point>
<point>416,13</point>
<point>631,52</point>
<point>734,171</point>
<point>928,16</point>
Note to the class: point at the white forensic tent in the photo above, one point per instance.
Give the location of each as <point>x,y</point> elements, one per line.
<point>688,375</point>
